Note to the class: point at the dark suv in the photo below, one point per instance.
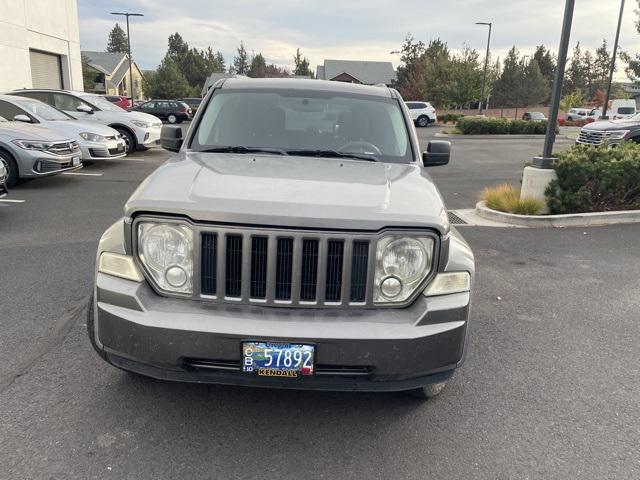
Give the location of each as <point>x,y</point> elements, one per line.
<point>172,111</point>
<point>610,131</point>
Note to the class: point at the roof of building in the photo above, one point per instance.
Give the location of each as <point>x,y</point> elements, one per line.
<point>106,62</point>
<point>306,84</point>
<point>366,72</point>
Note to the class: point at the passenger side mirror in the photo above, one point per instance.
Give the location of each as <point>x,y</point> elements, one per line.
<point>438,153</point>
<point>22,118</point>
<point>85,109</point>
<point>171,138</point>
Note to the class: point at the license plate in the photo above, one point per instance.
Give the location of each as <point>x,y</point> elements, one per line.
<point>288,360</point>
<point>75,161</point>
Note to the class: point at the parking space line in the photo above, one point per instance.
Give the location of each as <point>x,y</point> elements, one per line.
<point>83,174</point>
<point>11,200</point>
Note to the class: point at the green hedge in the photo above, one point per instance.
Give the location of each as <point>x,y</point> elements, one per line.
<point>450,117</point>
<point>500,126</point>
<point>596,179</point>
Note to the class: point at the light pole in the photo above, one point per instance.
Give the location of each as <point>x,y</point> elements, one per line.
<point>127,14</point>
<point>486,65</point>
<point>613,65</point>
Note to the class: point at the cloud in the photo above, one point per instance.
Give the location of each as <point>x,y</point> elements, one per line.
<point>355,29</point>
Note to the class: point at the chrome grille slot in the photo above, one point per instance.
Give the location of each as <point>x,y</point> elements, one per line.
<point>233,277</point>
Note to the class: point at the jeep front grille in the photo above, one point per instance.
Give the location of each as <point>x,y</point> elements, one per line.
<point>285,268</point>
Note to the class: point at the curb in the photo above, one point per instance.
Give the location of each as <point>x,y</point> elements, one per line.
<point>498,137</point>
<point>559,221</point>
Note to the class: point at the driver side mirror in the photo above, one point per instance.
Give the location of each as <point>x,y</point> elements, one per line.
<point>171,138</point>
<point>22,118</point>
<point>85,109</point>
<point>438,153</point>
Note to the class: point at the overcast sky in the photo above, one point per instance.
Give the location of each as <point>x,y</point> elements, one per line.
<point>350,29</point>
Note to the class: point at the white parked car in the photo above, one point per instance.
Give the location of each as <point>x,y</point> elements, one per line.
<point>578,114</point>
<point>422,113</point>
<point>97,142</point>
<point>139,130</point>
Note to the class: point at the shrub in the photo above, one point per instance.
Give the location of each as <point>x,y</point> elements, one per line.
<point>450,117</point>
<point>500,126</point>
<point>506,198</point>
<point>596,179</point>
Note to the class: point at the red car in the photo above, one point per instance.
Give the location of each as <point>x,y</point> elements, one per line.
<point>122,102</point>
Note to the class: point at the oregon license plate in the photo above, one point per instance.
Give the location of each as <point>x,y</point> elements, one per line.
<point>277,359</point>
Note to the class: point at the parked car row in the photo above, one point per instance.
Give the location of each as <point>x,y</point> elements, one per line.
<point>172,111</point>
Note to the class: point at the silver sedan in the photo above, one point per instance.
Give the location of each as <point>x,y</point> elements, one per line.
<point>97,142</point>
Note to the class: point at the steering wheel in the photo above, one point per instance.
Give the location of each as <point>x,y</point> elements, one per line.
<point>361,145</point>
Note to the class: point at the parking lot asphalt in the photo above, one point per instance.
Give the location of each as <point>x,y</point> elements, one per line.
<point>549,388</point>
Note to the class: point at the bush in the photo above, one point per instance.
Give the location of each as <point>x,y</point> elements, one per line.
<point>450,117</point>
<point>506,198</point>
<point>500,126</point>
<point>596,179</point>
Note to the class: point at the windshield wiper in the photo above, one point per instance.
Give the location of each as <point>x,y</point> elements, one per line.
<point>241,149</point>
<point>332,154</point>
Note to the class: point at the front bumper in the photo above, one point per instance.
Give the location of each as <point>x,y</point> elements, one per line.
<point>364,350</point>
<point>34,163</point>
<point>110,150</point>
<point>149,137</point>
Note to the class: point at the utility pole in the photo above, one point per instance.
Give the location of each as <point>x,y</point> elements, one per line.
<point>613,65</point>
<point>127,14</point>
<point>486,66</point>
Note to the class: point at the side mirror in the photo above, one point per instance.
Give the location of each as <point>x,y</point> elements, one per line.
<point>438,153</point>
<point>85,109</point>
<point>22,118</point>
<point>171,138</point>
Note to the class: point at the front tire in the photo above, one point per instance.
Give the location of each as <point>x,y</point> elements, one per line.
<point>423,121</point>
<point>129,140</point>
<point>12,168</point>
<point>428,391</point>
<point>172,119</point>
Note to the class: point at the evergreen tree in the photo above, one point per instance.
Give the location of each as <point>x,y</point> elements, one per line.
<point>576,76</point>
<point>466,78</point>
<point>240,62</point>
<point>438,73</point>
<point>168,81</point>
<point>547,63</point>
<point>258,68</point>
<point>301,65</point>
<point>88,74</point>
<point>508,87</point>
<point>117,42</point>
<point>536,88</point>
<point>273,71</point>
<point>601,68</point>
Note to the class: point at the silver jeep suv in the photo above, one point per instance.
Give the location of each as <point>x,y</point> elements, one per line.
<point>295,241</point>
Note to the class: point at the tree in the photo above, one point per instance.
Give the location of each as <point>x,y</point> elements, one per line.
<point>240,62</point>
<point>273,71</point>
<point>547,63</point>
<point>601,69</point>
<point>168,81</point>
<point>508,87</point>
<point>536,88</point>
<point>576,76</point>
<point>466,78</point>
<point>412,53</point>
<point>178,48</point>
<point>301,65</point>
<point>88,74</point>
<point>438,72</point>
<point>258,68</point>
<point>117,42</point>
<point>572,100</point>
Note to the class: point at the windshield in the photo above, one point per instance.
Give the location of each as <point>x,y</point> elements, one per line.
<point>298,122</point>
<point>102,103</point>
<point>44,111</point>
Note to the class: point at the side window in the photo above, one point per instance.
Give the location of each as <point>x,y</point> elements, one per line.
<point>66,102</point>
<point>8,110</point>
<point>149,105</point>
<point>173,105</point>
<point>411,106</point>
<point>422,105</point>
<point>42,96</point>
<point>163,105</point>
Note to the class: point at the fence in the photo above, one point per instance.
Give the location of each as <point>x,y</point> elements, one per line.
<point>503,112</point>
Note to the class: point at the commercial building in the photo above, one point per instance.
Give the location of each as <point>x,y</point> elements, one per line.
<point>39,44</point>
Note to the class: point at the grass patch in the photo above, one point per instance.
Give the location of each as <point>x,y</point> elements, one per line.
<point>506,198</point>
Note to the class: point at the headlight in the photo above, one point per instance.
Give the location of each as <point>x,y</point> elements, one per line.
<point>402,264</point>
<point>32,145</point>
<point>166,250</point>
<point>617,134</point>
<point>142,124</point>
<point>93,137</point>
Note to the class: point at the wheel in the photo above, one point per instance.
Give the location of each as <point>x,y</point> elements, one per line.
<point>423,121</point>
<point>91,330</point>
<point>12,168</point>
<point>172,118</point>
<point>129,139</point>
<point>428,391</point>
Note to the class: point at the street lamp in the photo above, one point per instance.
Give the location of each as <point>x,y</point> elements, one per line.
<point>613,65</point>
<point>127,14</point>
<point>486,64</point>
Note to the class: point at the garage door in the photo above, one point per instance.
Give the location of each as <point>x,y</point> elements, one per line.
<point>46,70</point>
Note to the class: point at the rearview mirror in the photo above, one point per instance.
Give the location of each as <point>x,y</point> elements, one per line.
<point>22,118</point>
<point>84,108</point>
<point>171,138</point>
<point>438,153</point>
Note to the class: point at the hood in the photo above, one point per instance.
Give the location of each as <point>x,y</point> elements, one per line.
<point>287,191</point>
<point>622,124</point>
<point>73,128</point>
<point>145,117</point>
<point>28,131</point>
